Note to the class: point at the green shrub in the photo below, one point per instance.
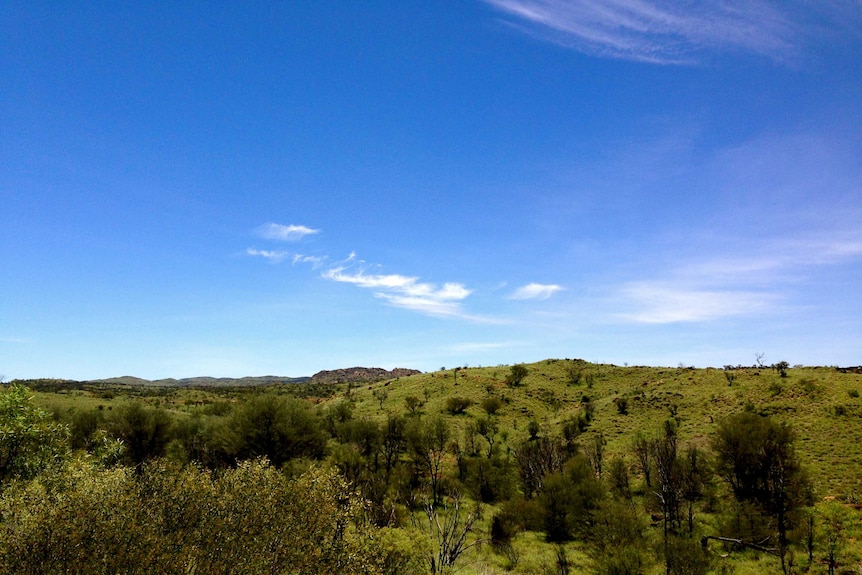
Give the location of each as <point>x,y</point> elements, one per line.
<point>178,520</point>
<point>458,405</point>
<point>491,405</point>
<point>30,440</point>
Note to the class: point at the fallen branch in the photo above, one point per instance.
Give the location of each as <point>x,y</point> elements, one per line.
<point>705,540</point>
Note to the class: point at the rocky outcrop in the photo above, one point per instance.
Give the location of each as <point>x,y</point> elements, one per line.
<point>360,375</point>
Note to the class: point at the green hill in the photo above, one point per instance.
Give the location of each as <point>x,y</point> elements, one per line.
<point>821,404</point>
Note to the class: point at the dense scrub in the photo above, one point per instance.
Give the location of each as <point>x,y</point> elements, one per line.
<point>699,471</point>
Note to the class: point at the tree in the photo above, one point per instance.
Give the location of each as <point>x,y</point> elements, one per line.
<point>491,404</point>
<point>277,428</point>
<point>755,456</point>
<point>144,431</point>
<point>538,458</point>
<point>516,375</point>
<point>644,457</point>
<point>449,532</point>
<point>835,519</point>
<point>569,500</point>
<point>427,440</point>
<point>413,403</point>
<point>617,541</point>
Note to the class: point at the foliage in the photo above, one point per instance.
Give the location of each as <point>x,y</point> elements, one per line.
<point>166,519</point>
<point>277,428</point>
<point>618,540</point>
<point>516,375</point>
<point>427,441</point>
<point>144,431</point>
<point>29,440</point>
<point>755,456</point>
<point>367,439</point>
<point>457,405</point>
<point>569,499</point>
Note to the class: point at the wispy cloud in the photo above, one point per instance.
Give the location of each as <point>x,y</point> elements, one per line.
<point>315,261</point>
<point>724,287</point>
<point>536,291</point>
<point>405,291</point>
<point>272,256</point>
<point>4,339</point>
<point>659,303</point>
<point>284,233</point>
<point>659,32</point>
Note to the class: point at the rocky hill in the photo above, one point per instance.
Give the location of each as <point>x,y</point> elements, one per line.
<point>361,375</point>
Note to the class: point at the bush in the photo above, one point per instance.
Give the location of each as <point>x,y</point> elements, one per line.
<point>491,405</point>
<point>458,405</point>
<point>29,440</point>
<point>622,405</point>
<point>180,520</point>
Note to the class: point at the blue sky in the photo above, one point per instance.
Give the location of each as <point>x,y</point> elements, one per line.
<point>236,189</point>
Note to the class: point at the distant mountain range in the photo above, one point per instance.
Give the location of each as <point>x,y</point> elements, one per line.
<point>349,375</point>
<point>201,381</point>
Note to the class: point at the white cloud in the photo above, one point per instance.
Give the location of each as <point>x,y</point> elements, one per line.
<point>733,286</point>
<point>660,32</point>
<point>273,256</point>
<point>536,291</point>
<point>405,291</point>
<point>281,232</point>
<point>658,303</point>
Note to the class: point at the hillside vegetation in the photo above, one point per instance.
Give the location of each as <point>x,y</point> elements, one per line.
<point>561,466</point>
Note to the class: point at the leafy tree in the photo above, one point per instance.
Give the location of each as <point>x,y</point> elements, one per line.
<point>413,403</point>
<point>179,520</point>
<point>516,375</point>
<point>569,499</point>
<point>488,479</point>
<point>643,453</point>
<point>617,540</point>
<point>755,455</point>
<point>595,452</point>
<point>488,428</point>
<point>393,441</point>
<point>144,431</point>
<point>835,520</point>
<point>277,428</point>
<point>30,440</point>
<point>618,479</point>
<point>427,441</point>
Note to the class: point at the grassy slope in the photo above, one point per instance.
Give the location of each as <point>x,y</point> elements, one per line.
<point>810,399</point>
<point>829,444</point>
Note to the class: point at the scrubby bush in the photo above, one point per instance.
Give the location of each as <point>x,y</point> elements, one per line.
<point>179,520</point>
<point>457,405</point>
<point>491,404</point>
<point>30,440</point>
